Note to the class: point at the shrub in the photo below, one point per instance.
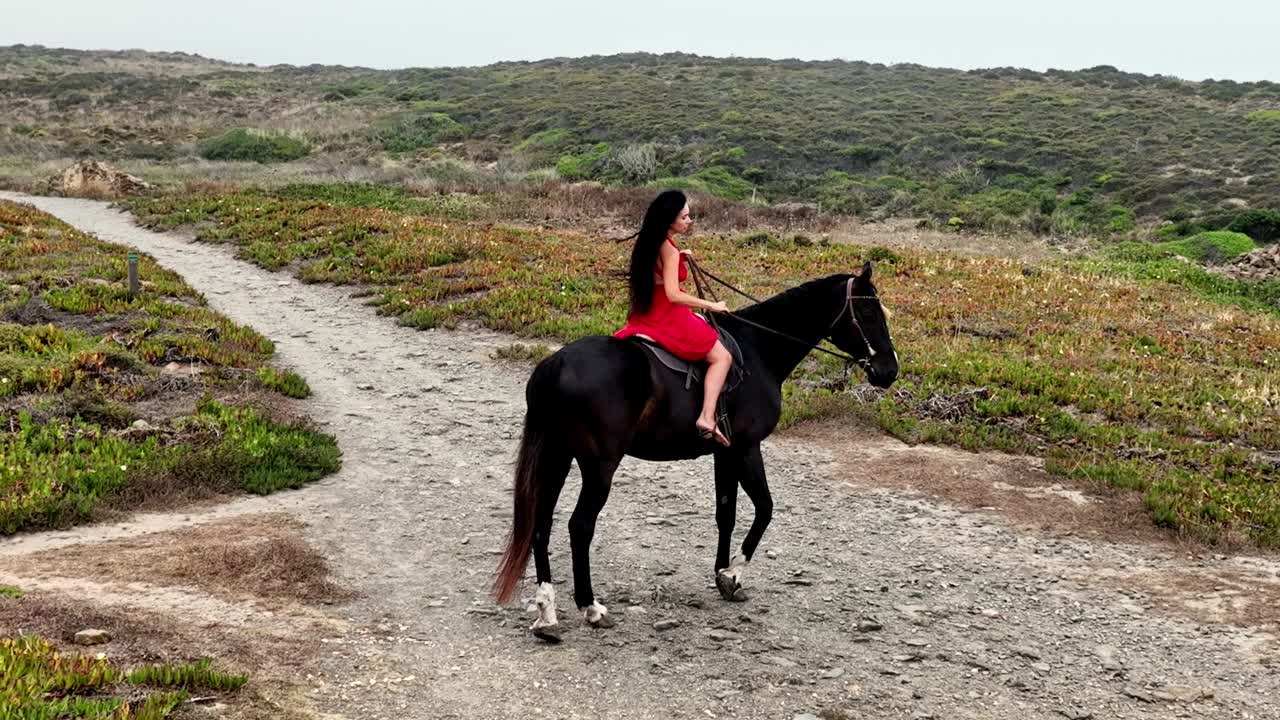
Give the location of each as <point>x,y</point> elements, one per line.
<point>637,163</point>
<point>718,181</point>
<point>1261,225</point>
<point>583,165</point>
<point>249,145</point>
<point>408,132</point>
<point>1120,219</point>
<point>1212,247</point>
<point>1264,116</point>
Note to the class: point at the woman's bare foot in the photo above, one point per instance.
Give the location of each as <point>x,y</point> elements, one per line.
<point>707,430</point>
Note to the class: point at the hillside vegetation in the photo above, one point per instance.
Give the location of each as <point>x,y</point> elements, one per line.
<point>1141,371</point>
<point>1092,152</point>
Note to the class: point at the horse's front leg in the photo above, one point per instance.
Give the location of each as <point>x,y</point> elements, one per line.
<point>729,468</point>
<point>746,467</point>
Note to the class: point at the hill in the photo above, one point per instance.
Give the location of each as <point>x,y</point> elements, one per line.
<point>1097,151</point>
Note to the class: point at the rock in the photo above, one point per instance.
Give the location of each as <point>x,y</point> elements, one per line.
<point>805,716</point>
<point>1075,713</point>
<point>1260,264</point>
<point>1042,668</point>
<point>178,368</point>
<point>92,637</point>
<point>93,179</point>
<point>1138,693</point>
<point>780,661</point>
<point>915,642</point>
<point>724,635</point>
<point>1026,652</point>
<point>664,625</point>
<point>1178,693</point>
<point>832,674</point>
<point>869,626</point>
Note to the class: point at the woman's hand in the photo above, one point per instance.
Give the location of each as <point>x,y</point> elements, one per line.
<point>718,307</point>
<point>687,253</point>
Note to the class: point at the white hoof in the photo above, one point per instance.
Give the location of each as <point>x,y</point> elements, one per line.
<point>597,615</point>
<point>729,580</point>
<point>546,625</point>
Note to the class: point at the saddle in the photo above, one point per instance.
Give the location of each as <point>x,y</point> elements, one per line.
<point>693,371</point>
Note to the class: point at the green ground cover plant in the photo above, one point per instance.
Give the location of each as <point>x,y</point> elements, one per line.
<point>90,412</point>
<point>39,683</point>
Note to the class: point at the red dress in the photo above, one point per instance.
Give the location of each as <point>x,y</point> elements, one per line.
<point>673,326</point>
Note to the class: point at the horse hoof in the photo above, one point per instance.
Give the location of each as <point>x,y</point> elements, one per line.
<point>729,587</point>
<point>603,622</point>
<point>548,633</point>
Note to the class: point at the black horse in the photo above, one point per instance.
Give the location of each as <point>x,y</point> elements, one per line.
<point>600,398</point>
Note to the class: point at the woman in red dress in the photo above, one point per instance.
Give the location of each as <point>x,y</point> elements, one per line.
<point>662,312</point>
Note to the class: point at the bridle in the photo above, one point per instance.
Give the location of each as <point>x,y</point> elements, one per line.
<point>849,297</point>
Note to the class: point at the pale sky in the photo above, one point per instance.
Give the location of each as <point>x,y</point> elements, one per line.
<point>1194,40</point>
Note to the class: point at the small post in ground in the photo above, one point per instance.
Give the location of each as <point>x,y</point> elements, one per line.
<point>133,275</point>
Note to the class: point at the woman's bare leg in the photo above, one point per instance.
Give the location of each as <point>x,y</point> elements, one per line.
<point>719,361</point>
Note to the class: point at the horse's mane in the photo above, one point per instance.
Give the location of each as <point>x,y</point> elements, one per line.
<point>787,301</point>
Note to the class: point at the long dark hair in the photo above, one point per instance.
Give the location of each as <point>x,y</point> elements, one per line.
<point>658,219</point>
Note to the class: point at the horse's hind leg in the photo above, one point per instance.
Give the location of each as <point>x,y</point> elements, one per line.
<point>597,478</point>
<point>547,625</point>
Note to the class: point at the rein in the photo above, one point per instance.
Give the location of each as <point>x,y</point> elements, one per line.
<point>700,276</point>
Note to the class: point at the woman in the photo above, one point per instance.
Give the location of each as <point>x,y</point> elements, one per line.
<point>662,312</point>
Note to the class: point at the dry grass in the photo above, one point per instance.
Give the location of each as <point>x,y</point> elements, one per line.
<point>255,557</point>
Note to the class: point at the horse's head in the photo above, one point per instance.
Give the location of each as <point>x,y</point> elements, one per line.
<point>861,329</point>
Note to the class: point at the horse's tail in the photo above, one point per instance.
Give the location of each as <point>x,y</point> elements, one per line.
<point>525,490</point>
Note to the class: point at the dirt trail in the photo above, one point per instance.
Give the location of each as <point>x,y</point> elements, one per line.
<point>865,602</point>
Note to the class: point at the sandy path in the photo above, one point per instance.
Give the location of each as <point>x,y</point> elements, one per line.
<point>977,620</point>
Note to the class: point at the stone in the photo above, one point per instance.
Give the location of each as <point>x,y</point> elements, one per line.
<point>724,635</point>
<point>94,179</point>
<point>1138,693</point>
<point>664,625</point>
<point>92,637</point>
<point>1178,693</point>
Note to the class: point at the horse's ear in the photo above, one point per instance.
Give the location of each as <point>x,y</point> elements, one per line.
<point>865,272</point>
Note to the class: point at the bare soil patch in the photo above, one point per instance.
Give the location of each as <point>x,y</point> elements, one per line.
<point>1017,487</point>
